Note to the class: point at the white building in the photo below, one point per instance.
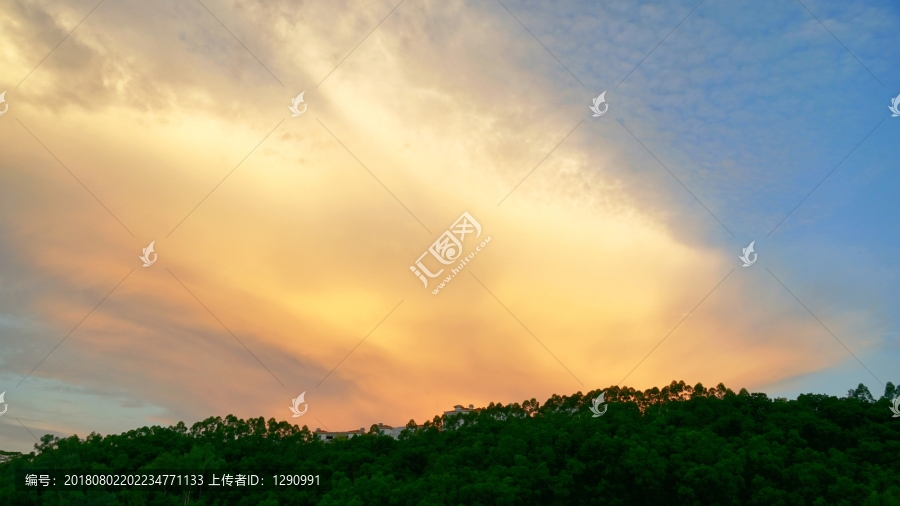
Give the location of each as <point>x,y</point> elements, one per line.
<point>460,410</point>
<point>325,435</point>
<point>385,430</point>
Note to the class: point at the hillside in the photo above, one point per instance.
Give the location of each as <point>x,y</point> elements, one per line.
<point>676,445</point>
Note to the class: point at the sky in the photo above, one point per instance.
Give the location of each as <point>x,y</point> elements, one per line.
<point>608,251</point>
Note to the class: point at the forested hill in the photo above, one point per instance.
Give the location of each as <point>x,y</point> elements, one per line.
<point>675,445</point>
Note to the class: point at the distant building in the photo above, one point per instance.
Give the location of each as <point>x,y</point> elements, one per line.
<point>326,435</point>
<point>460,410</point>
<point>385,430</point>
<point>7,456</point>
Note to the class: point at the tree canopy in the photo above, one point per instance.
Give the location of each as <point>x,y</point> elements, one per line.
<point>680,444</point>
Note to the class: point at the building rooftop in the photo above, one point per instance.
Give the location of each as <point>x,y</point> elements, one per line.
<point>387,430</point>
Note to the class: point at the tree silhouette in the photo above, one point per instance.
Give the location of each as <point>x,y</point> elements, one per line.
<point>678,444</point>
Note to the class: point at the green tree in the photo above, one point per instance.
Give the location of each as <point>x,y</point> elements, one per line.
<point>861,393</point>
<point>677,444</point>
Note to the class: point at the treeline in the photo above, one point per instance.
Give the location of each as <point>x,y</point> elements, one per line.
<point>679,445</point>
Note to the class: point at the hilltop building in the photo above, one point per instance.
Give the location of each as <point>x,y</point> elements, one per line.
<point>460,410</point>
<point>385,430</point>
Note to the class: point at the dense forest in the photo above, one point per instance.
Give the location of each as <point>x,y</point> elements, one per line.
<point>679,445</point>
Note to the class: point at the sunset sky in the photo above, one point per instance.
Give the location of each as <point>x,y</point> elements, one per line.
<point>284,241</point>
